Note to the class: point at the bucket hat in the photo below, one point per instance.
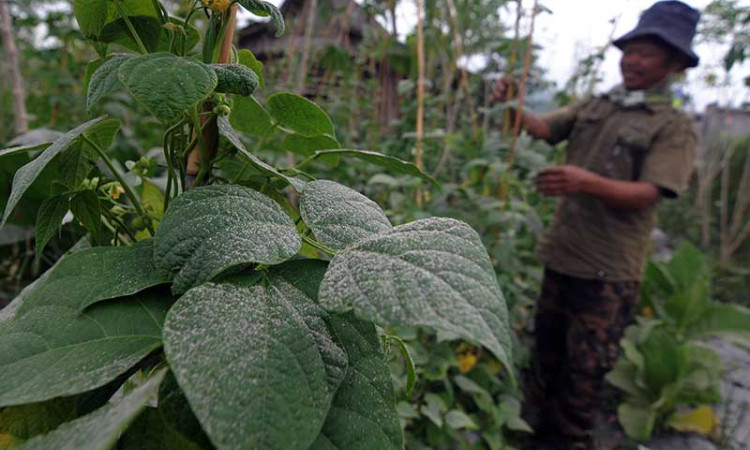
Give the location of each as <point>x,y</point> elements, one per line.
<point>671,21</point>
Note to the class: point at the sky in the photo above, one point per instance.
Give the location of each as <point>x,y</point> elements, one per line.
<point>576,27</point>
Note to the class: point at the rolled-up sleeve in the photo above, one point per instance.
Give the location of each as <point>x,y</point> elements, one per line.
<point>669,162</point>
<point>561,122</point>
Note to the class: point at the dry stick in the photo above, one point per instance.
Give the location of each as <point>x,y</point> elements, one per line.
<point>521,98</point>
<point>11,55</point>
<point>458,44</point>
<point>312,13</point>
<point>420,95</point>
<point>723,222</point>
<point>510,69</point>
<point>310,24</point>
<point>210,130</point>
<point>742,201</point>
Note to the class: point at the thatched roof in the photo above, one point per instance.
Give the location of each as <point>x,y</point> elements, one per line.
<point>334,18</point>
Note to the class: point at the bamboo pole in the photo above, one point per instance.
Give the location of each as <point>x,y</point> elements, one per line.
<point>522,87</point>
<point>464,81</point>
<point>510,70</point>
<point>14,72</point>
<point>211,132</point>
<point>420,95</point>
<point>312,13</point>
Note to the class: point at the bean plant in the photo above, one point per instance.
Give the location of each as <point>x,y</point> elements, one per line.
<point>234,308</point>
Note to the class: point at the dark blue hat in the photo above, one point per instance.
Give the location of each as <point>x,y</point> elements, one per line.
<point>673,22</point>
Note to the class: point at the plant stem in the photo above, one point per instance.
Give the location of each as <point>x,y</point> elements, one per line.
<point>319,246</point>
<point>128,190</point>
<point>160,10</point>
<point>204,165</point>
<point>130,26</point>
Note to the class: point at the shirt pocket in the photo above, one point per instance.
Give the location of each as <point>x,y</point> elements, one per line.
<point>625,161</point>
<point>587,128</point>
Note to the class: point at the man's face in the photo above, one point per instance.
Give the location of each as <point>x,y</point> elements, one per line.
<point>644,64</point>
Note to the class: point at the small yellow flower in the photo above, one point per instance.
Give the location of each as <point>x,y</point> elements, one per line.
<point>466,362</point>
<point>648,311</point>
<point>217,5</point>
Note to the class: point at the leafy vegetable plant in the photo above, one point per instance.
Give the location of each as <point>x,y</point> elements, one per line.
<point>663,364</point>
<point>251,319</point>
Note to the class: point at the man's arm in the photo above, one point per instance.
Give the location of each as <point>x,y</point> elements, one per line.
<point>616,194</point>
<point>536,126</point>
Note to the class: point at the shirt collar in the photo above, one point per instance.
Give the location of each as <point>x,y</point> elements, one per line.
<point>652,98</point>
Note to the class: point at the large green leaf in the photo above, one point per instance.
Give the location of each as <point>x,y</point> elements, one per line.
<point>52,350</point>
<point>26,175</point>
<point>102,428</point>
<point>637,420</point>
<point>300,115</point>
<point>166,84</point>
<point>23,422</point>
<point>105,79</point>
<point>172,426</point>
<point>48,221</point>
<point>8,313</point>
<point>209,229</point>
<point>91,16</point>
<point>721,319</point>
<point>24,149</point>
<point>264,9</point>
<point>97,274</point>
<point>664,361</point>
<point>86,209</point>
<point>307,146</point>
<point>256,361</point>
<point>363,413</point>
<point>235,79</point>
<point>181,38</point>
<point>248,59</point>
<point>76,162</point>
<point>249,117</point>
<point>340,216</point>
<point>432,272</point>
<point>225,129</point>
<point>150,432</point>
<point>148,29</point>
<point>393,165</point>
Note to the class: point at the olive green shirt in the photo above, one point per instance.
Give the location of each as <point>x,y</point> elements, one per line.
<point>621,139</point>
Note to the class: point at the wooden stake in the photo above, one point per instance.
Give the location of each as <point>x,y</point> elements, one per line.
<point>11,55</point>
<point>420,95</point>
<point>522,88</point>
<point>211,131</point>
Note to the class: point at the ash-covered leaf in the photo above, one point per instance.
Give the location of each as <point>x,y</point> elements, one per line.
<point>51,351</point>
<point>28,173</point>
<point>433,273</point>
<point>340,216</point>
<point>102,428</point>
<point>265,9</point>
<point>105,79</point>
<point>166,84</point>
<point>363,413</point>
<point>210,229</point>
<point>255,359</point>
<point>97,274</point>
<point>235,79</point>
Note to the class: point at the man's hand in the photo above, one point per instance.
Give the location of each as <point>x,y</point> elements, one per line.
<point>561,180</point>
<point>501,91</point>
<point>616,194</point>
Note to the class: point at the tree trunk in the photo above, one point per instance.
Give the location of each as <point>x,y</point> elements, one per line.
<point>14,73</point>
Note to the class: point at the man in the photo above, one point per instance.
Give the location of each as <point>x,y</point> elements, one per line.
<point>627,149</point>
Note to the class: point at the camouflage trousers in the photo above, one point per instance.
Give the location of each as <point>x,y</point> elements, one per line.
<point>578,326</point>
